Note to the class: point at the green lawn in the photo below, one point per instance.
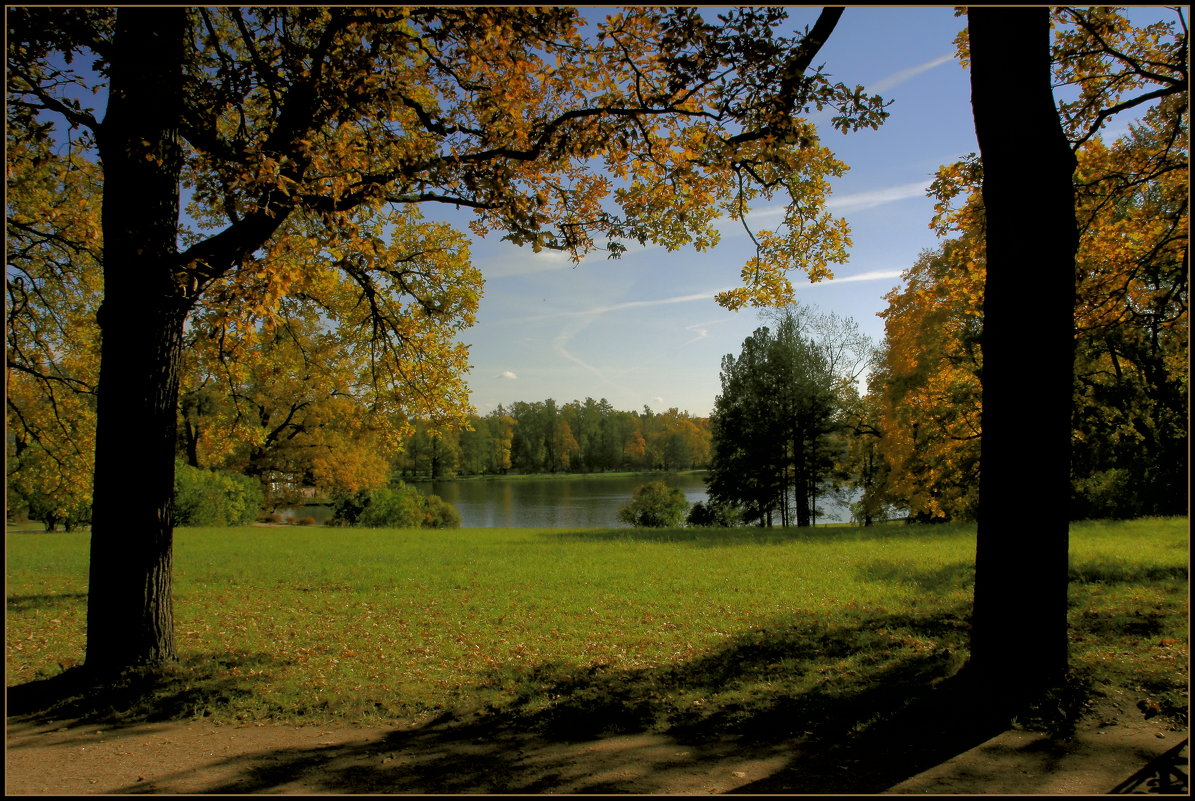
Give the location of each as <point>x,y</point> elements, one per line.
<point>620,628</point>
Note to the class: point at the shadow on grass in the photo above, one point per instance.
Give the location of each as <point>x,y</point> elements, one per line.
<point>177,692</point>
<point>30,603</point>
<point>831,707</point>
<point>935,581</point>
<point>753,535</point>
<point>1115,573</point>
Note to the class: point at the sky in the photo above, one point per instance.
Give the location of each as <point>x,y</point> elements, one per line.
<point>644,330</point>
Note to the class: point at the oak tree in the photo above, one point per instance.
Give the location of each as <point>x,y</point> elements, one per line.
<point>302,132</point>
<point>1028,196</point>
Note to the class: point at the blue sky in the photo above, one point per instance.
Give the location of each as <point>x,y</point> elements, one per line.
<point>644,329</point>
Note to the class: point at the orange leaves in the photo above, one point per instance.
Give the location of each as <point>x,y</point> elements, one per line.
<point>929,393</point>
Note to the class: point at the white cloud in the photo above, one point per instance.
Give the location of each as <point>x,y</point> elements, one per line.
<point>897,78</point>
<point>560,345</point>
<point>514,260</point>
<point>871,275</point>
<point>630,304</point>
<point>858,201</point>
<point>523,261</point>
<point>507,375</point>
<point>841,204</point>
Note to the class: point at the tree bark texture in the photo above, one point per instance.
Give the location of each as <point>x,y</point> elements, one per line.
<point>130,618</point>
<point>1019,629</point>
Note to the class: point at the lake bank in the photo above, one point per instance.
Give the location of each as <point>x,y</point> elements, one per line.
<point>557,500</point>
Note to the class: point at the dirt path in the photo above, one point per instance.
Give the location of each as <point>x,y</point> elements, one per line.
<point>197,757</point>
<point>202,758</point>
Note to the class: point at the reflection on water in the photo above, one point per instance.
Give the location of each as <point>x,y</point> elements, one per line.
<point>560,502</point>
<point>573,502</point>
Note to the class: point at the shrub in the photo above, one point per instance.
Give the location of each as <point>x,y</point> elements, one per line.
<point>440,514</point>
<point>306,521</point>
<point>213,497</point>
<point>712,513</point>
<point>51,512</point>
<point>655,505</point>
<point>1108,494</point>
<point>394,507</point>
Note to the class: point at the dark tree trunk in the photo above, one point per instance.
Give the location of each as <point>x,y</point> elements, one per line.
<point>130,617</point>
<point>1019,631</point>
<point>191,434</point>
<point>802,488</point>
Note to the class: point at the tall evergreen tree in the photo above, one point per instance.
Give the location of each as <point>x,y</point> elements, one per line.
<point>771,426</point>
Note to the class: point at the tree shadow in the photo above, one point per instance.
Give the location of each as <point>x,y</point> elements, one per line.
<point>933,581</point>
<point>1119,573</point>
<point>832,706</point>
<point>187,690</point>
<point>750,536</point>
<point>50,601</point>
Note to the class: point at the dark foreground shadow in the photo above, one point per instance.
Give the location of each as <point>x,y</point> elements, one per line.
<point>599,730</point>
<point>1168,774</point>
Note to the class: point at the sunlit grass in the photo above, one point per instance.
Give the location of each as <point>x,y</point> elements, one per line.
<point>313,624</point>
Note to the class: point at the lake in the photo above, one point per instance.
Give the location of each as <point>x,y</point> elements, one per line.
<point>575,501</point>
<point>581,501</point>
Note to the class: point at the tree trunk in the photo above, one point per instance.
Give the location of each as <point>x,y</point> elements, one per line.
<point>130,617</point>
<point>1019,632</point>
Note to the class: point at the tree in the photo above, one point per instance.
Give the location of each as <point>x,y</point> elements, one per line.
<point>927,386</point>
<point>400,506</point>
<point>1131,337</point>
<point>214,498</point>
<point>771,425</point>
<point>1019,640</point>
<point>301,132</point>
<point>53,286</point>
<point>291,408</point>
<point>863,463</point>
<point>1132,295</point>
<point>654,505</point>
<point>1021,570</point>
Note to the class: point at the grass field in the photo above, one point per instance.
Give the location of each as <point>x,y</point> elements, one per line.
<point>614,630</point>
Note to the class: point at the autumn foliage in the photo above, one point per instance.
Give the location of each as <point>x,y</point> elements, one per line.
<point>1131,316</point>
<point>307,140</point>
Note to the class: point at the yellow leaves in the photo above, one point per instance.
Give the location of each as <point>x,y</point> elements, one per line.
<point>54,286</point>
<point>326,387</point>
<point>929,398</point>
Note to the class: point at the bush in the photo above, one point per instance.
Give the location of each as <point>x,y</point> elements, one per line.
<point>214,498</point>
<point>710,514</point>
<point>51,513</point>
<point>440,514</point>
<point>1108,494</point>
<point>655,505</point>
<point>395,507</point>
<point>306,521</point>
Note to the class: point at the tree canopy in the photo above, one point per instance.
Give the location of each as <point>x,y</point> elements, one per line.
<point>1131,308</point>
<point>300,140</point>
<point>772,427</point>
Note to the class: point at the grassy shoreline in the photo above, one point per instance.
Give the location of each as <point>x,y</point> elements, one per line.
<point>618,629</point>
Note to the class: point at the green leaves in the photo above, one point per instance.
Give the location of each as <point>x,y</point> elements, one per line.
<point>771,425</point>
<point>655,505</point>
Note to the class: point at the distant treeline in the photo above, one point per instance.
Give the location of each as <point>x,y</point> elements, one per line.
<point>542,437</point>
